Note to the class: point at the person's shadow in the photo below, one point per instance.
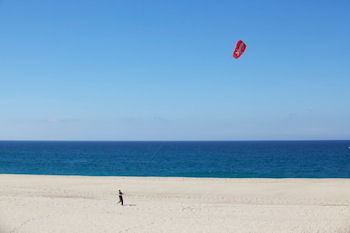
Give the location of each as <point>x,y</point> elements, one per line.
<point>129,204</point>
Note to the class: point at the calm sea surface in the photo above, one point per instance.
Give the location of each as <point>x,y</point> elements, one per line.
<point>275,159</point>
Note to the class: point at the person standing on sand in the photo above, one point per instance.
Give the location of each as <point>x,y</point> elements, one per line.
<point>121,197</point>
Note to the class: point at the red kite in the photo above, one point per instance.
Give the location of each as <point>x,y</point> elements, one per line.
<point>239,49</point>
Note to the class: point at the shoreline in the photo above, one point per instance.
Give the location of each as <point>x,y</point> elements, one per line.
<point>60,203</point>
<point>185,177</point>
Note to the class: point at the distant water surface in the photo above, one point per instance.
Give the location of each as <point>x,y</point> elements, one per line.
<point>259,159</point>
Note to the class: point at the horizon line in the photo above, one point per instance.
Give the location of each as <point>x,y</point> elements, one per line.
<point>199,140</point>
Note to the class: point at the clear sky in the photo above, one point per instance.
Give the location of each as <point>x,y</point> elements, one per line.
<point>163,70</point>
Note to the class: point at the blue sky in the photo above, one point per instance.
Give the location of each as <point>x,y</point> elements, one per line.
<point>163,70</point>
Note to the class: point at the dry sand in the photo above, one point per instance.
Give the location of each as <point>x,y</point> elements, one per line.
<point>42,204</point>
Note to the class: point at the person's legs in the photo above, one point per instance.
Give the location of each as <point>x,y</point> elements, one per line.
<point>121,200</point>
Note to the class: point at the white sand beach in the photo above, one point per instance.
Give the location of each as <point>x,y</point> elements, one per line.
<point>42,204</point>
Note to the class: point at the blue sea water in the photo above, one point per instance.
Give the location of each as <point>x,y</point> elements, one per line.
<point>261,159</point>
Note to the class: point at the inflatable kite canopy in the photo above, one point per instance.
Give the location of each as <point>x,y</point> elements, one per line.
<point>239,49</point>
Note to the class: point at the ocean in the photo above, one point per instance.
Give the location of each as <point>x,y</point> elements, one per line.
<point>223,159</point>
